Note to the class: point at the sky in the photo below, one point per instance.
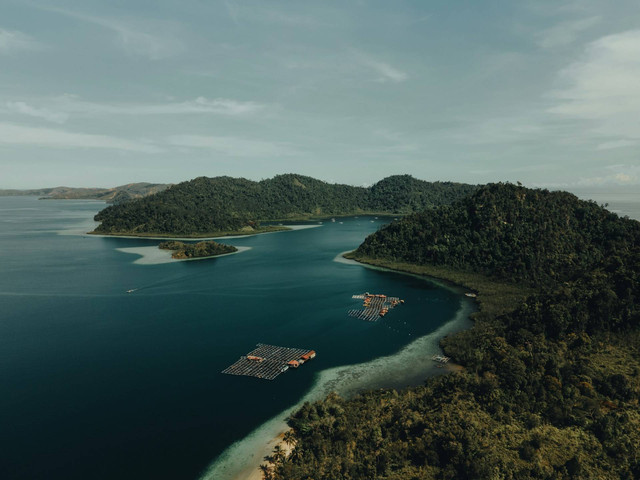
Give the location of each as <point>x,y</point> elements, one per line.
<point>103,93</point>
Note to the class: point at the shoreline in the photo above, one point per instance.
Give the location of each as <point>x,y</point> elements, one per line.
<point>204,236</point>
<point>491,297</point>
<point>253,472</point>
<point>228,236</point>
<point>152,255</point>
<point>241,460</point>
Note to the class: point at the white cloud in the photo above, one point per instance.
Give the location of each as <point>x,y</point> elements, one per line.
<point>613,175</point>
<point>153,40</point>
<point>59,109</point>
<point>11,134</point>
<point>233,146</point>
<point>604,87</point>
<point>617,144</point>
<point>11,41</point>
<point>565,33</point>
<point>137,42</point>
<point>316,16</point>
<point>386,73</point>
<point>43,113</point>
<point>221,106</point>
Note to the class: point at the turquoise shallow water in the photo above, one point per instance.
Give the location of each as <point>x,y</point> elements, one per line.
<point>98,383</point>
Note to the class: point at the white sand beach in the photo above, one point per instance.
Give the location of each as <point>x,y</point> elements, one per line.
<point>152,255</point>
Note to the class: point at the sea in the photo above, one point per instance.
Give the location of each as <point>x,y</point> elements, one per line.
<point>112,352</point>
<point>624,204</point>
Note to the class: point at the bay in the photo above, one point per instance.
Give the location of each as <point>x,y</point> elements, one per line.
<point>100,383</point>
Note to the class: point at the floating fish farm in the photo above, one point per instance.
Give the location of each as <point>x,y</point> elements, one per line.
<point>374,306</point>
<point>269,361</point>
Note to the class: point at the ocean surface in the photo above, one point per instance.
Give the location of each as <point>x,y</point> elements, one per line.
<point>98,383</point>
<point>622,203</point>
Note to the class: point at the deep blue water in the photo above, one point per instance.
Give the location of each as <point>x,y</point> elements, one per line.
<point>97,383</point>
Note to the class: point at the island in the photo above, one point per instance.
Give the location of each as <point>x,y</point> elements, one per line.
<point>213,207</point>
<point>550,384</point>
<point>207,249</point>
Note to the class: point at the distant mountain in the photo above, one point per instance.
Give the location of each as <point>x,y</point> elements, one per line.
<point>119,194</point>
<point>224,204</point>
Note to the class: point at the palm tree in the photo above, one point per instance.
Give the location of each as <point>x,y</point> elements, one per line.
<point>289,438</point>
<point>278,454</point>
<point>266,472</point>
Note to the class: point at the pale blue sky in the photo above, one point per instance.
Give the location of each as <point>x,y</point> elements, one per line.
<point>97,93</point>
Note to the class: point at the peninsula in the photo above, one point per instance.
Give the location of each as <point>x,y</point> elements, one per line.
<point>551,383</point>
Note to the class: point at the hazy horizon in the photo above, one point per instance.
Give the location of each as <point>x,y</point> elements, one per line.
<point>96,94</point>
<point>578,190</point>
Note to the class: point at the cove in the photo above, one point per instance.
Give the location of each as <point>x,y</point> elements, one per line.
<point>105,384</point>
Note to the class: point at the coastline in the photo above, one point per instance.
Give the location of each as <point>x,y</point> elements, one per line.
<point>226,236</point>
<point>152,255</point>
<point>204,236</point>
<point>241,461</point>
<point>491,297</point>
<point>253,472</point>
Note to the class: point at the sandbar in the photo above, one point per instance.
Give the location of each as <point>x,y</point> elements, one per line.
<point>152,255</point>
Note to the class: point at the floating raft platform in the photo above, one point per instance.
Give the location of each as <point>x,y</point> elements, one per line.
<point>374,306</point>
<point>269,361</point>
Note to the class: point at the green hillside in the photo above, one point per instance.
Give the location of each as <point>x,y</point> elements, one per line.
<point>508,232</point>
<point>224,204</point>
<point>551,379</point>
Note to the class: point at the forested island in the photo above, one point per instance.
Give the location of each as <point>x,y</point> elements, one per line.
<point>223,205</point>
<point>209,248</point>
<point>551,378</point>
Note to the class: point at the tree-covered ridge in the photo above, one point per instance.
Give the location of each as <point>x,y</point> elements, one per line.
<point>551,387</point>
<point>208,248</point>
<point>510,232</point>
<point>222,204</point>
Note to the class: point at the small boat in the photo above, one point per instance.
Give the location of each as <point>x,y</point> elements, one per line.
<point>132,290</point>
<point>471,295</point>
<point>333,220</point>
<point>440,358</point>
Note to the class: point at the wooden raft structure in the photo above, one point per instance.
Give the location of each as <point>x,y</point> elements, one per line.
<point>375,306</point>
<point>269,361</point>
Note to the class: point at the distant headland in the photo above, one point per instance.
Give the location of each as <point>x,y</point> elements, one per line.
<point>119,194</point>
